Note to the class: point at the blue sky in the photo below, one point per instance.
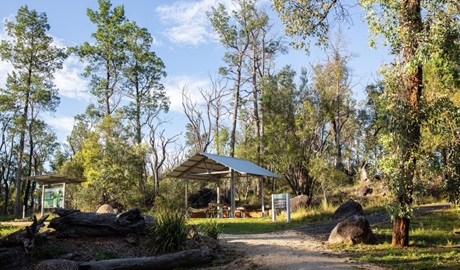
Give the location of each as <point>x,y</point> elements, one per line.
<point>183,40</point>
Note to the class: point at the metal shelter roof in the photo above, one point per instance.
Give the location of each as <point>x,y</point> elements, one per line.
<point>55,179</point>
<point>210,167</point>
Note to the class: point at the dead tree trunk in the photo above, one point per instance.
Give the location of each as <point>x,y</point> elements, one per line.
<point>73,223</point>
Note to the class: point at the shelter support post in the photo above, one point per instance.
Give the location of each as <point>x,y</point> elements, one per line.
<point>219,208</point>
<point>186,193</point>
<point>232,192</point>
<point>63,196</point>
<point>43,200</point>
<point>262,196</point>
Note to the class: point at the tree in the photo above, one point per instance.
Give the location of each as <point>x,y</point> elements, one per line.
<point>407,27</point>
<point>106,57</point>
<point>410,34</point>
<point>234,36</point>
<point>205,120</point>
<point>142,72</point>
<point>34,60</point>
<point>294,131</point>
<point>331,84</point>
<point>158,151</point>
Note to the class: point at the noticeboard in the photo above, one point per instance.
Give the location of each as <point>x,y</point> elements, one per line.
<point>54,197</point>
<point>281,201</point>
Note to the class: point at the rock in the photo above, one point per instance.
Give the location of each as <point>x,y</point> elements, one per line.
<point>105,208</point>
<point>364,191</point>
<point>299,202</point>
<point>57,264</point>
<point>353,230</point>
<point>348,209</point>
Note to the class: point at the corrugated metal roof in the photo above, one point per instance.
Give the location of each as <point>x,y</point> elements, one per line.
<point>54,179</point>
<point>210,167</point>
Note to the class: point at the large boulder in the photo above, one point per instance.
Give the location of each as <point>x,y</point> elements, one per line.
<point>348,209</point>
<point>353,230</point>
<point>106,208</point>
<point>299,202</point>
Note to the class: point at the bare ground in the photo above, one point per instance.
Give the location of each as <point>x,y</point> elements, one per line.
<point>299,248</point>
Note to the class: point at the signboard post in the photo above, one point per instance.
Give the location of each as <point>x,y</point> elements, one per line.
<point>281,201</point>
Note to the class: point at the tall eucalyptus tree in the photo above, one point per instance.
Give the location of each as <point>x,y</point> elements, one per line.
<point>106,56</point>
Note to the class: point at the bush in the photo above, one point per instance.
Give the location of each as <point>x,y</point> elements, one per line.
<point>169,231</point>
<point>210,228</point>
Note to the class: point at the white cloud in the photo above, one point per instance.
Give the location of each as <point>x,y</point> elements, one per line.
<point>69,81</point>
<point>5,67</point>
<point>62,125</point>
<point>188,20</point>
<point>174,86</point>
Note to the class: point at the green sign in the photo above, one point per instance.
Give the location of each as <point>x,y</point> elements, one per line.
<point>54,197</point>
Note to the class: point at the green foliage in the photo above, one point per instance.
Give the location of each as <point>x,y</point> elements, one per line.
<point>305,20</point>
<point>170,230</point>
<point>211,228</point>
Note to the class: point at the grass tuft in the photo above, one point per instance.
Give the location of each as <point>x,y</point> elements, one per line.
<point>169,231</point>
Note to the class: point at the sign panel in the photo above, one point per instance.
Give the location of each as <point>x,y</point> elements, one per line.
<point>281,201</point>
<point>54,197</point>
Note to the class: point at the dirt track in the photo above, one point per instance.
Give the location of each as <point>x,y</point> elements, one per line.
<point>299,248</point>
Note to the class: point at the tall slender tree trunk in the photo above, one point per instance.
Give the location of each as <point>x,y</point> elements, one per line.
<point>411,23</point>
<point>236,103</point>
<point>18,182</point>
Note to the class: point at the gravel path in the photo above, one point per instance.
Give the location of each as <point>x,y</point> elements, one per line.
<point>300,248</point>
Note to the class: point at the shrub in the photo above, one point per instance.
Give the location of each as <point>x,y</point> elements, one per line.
<point>169,231</point>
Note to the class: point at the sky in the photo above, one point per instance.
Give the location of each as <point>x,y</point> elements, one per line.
<point>183,39</point>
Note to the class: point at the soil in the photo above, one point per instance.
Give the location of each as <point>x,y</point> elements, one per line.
<point>299,248</point>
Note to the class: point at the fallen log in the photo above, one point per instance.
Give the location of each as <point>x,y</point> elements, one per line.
<point>73,223</point>
<point>186,258</point>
